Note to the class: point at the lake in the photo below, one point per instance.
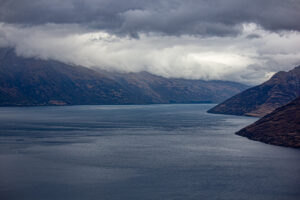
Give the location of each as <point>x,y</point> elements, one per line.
<point>139,152</point>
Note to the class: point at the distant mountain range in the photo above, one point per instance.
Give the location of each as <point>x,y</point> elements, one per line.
<point>281,127</point>
<point>260,100</point>
<point>31,81</point>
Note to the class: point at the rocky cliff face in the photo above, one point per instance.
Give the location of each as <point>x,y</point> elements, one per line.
<point>29,81</point>
<point>258,101</point>
<point>281,127</point>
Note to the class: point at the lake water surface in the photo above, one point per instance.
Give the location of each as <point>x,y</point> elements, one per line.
<point>143,152</point>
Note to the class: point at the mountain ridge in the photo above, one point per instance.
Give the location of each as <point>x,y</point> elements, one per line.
<point>31,82</point>
<point>260,100</point>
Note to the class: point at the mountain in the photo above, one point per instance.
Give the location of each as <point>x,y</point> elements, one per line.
<point>258,101</point>
<point>31,81</point>
<point>176,90</point>
<point>281,127</point>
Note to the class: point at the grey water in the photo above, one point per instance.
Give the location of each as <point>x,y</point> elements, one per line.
<point>139,152</point>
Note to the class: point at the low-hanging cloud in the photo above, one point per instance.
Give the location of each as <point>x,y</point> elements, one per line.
<point>237,40</point>
<point>243,59</point>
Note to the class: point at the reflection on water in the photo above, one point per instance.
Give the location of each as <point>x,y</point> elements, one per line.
<point>138,152</point>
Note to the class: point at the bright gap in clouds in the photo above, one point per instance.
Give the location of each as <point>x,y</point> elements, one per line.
<point>251,57</point>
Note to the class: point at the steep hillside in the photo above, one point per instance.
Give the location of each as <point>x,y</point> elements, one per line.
<point>30,81</point>
<point>281,127</point>
<point>258,101</point>
<point>177,90</point>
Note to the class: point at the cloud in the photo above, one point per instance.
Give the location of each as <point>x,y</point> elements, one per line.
<point>168,17</point>
<point>238,40</point>
<point>187,56</point>
<point>253,36</point>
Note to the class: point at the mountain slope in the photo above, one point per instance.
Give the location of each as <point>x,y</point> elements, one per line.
<point>281,127</point>
<point>258,101</point>
<point>30,81</point>
<point>174,90</point>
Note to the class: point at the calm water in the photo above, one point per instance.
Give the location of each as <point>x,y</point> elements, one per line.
<point>153,152</point>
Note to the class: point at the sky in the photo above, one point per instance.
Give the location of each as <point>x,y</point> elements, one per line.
<point>238,40</point>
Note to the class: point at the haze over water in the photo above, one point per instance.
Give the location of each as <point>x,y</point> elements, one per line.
<point>143,152</point>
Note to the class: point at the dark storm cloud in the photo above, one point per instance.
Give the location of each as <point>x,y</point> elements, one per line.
<point>171,17</point>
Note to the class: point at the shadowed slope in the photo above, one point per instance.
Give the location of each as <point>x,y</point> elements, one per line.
<point>281,127</point>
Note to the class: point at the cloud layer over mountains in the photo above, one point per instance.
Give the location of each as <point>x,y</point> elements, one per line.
<point>237,40</point>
